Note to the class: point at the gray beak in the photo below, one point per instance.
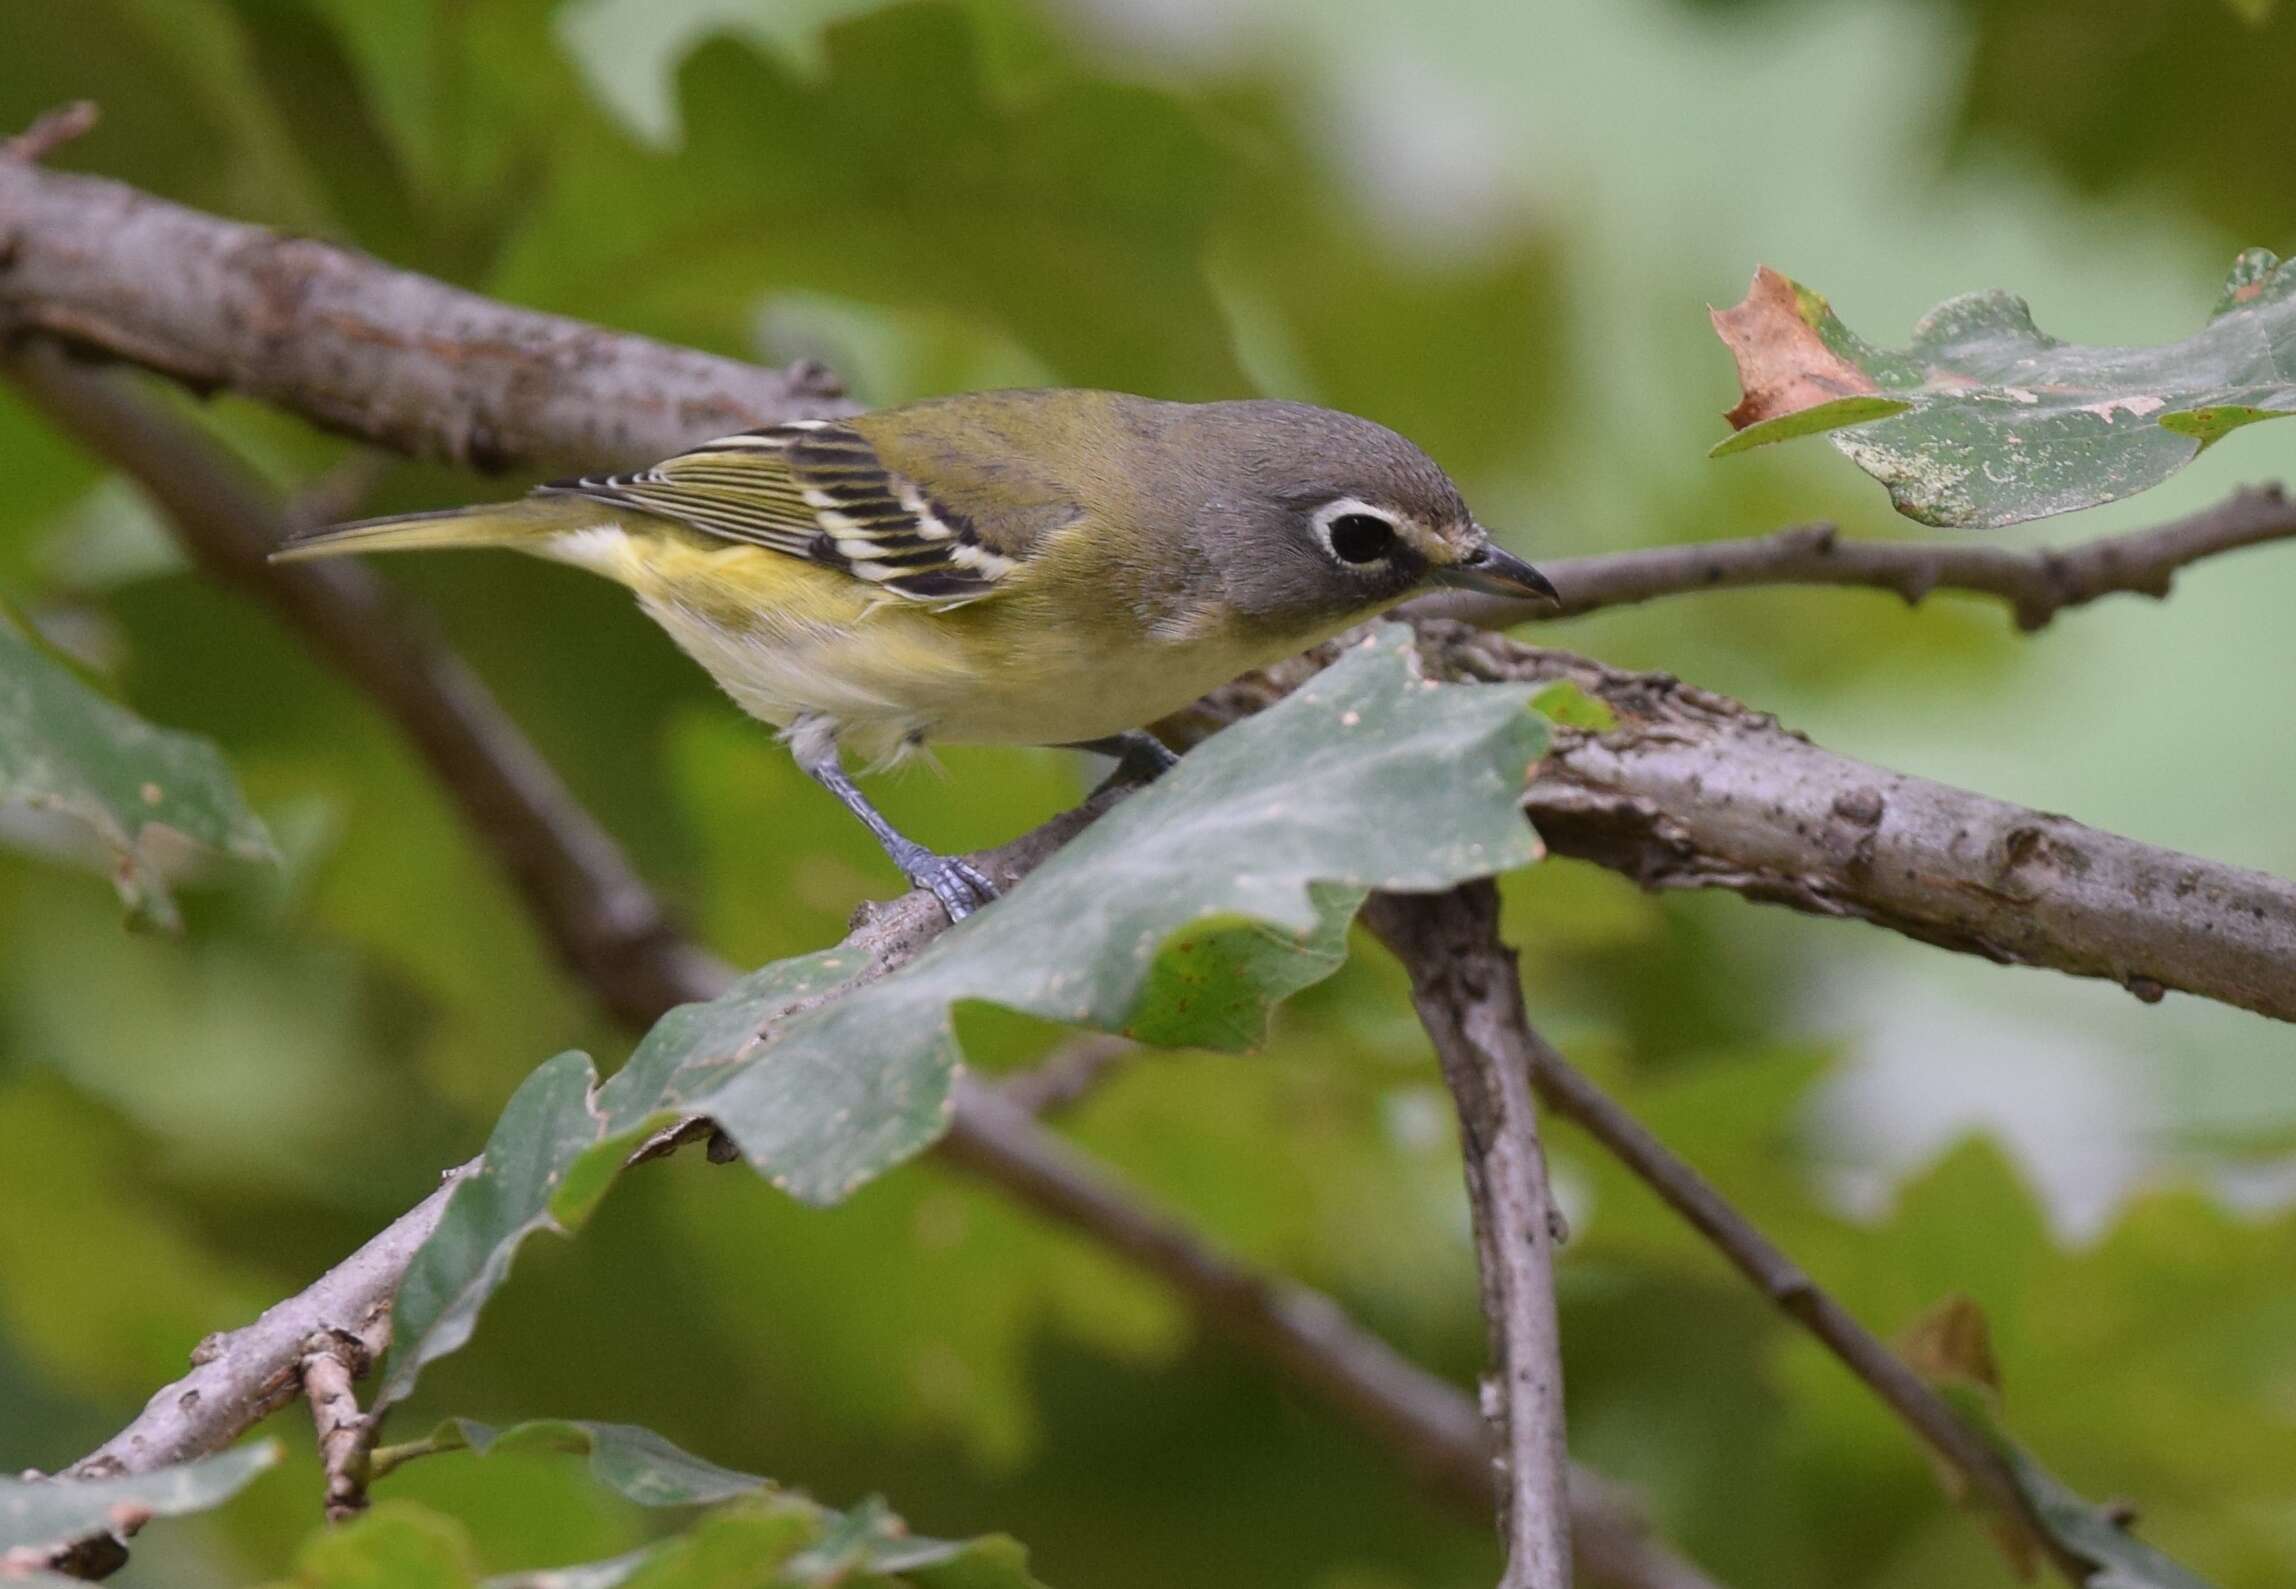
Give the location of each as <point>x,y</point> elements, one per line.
<point>1495,573</point>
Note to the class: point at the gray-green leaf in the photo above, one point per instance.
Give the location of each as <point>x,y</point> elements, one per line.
<point>64,747</point>
<point>1987,420</point>
<point>41,1516</point>
<point>1181,916</point>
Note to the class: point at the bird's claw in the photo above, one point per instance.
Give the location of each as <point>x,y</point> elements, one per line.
<point>960,886</point>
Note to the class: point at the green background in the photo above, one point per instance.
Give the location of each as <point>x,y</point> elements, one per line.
<point>1493,225</point>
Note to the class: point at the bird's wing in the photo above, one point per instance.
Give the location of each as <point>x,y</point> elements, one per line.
<point>813,489</point>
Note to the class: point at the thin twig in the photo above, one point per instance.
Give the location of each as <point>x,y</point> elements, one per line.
<point>1307,1336</point>
<point>332,1359</point>
<point>2037,585</point>
<point>1567,1091</point>
<point>1469,995</point>
<point>1070,1073</point>
<point>584,897</point>
<point>50,131</point>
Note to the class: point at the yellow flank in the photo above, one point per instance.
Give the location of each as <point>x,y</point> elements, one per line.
<point>788,639</point>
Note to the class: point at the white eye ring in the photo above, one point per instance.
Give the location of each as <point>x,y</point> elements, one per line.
<point>1331,513</point>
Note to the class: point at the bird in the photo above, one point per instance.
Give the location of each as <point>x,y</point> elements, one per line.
<point>1037,567</point>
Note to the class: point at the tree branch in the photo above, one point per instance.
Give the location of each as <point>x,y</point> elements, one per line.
<point>1465,982</point>
<point>2037,584</point>
<point>1567,1091</point>
<point>241,1378</point>
<point>611,931</point>
<point>1069,1074</point>
<point>331,1362</point>
<point>356,346</point>
<point>1694,790</point>
<point>1469,995</point>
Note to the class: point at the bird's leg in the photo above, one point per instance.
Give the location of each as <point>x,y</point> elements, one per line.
<point>957,884</point>
<point>1140,756</point>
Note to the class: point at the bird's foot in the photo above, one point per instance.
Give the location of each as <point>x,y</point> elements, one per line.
<point>1141,758</point>
<point>960,886</point>
<point>1146,758</point>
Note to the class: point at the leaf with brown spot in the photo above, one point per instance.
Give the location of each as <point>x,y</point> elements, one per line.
<point>1984,419</point>
<point>1784,365</point>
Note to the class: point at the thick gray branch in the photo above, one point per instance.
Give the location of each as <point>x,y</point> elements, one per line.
<point>1694,790</point>
<point>356,346</point>
<point>1470,998</point>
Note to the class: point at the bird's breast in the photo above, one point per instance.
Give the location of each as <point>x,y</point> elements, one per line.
<point>788,640</point>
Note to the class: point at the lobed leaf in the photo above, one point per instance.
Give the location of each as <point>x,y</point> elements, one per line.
<point>1985,419</point>
<point>1181,916</point>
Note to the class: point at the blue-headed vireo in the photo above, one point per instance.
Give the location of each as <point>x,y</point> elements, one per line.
<point>1034,568</point>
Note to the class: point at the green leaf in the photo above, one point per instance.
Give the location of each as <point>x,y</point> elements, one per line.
<point>1567,706</point>
<point>776,1538</point>
<point>1985,419</point>
<point>786,1542</point>
<point>397,1545</point>
<point>547,1123</point>
<point>1270,831</point>
<point>1814,420</point>
<point>41,1516</point>
<point>1213,985</point>
<point>63,747</point>
<point>2118,1559</point>
<point>633,1461</point>
<point>901,135</point>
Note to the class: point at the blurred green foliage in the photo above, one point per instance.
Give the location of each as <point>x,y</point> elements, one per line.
<point>943,195</point>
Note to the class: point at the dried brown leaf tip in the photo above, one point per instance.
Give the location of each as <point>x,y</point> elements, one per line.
<point>1952,1344</point>
<point>1784,365</point>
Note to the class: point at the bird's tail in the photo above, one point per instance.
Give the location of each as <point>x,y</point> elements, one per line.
<point>528,525</point>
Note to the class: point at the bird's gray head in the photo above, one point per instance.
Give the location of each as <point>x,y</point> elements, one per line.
<point>1311,518</point>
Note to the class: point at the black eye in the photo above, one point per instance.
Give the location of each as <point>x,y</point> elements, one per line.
<point>1361,537</point>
